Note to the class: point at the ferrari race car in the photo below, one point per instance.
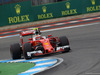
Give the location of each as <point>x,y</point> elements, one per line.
<point>38,45</point>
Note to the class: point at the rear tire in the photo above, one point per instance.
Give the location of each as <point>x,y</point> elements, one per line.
<point>27,48</point>
<point>15,51</point>
<point>64,42</point>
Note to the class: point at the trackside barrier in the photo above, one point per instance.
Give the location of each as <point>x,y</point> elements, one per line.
<point>24,11</point>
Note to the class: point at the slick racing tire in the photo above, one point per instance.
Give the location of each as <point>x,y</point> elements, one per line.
<point>64,42</point>
<point>27,48</point>
<point>15,51</point>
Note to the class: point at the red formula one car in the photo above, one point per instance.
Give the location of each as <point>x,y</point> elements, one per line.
<point>38,45</point>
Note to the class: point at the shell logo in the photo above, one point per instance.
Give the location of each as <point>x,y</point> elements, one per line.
<point>46,43</point>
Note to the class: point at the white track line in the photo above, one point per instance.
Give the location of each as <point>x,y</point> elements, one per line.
<point>46,63</point>
<point>38,69</point>
<point>38,60</point>
<point>71,27</point>
<point>58,29</point>
<point>57,24</point>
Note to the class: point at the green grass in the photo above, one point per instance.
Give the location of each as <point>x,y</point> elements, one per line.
<point>14,68</point>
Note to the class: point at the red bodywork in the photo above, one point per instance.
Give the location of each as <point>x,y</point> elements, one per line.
<point>48,47</point>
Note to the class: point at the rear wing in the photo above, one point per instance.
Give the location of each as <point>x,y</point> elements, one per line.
<point>27,33</point>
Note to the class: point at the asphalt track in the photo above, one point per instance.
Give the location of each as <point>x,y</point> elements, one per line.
<point>84,58</point>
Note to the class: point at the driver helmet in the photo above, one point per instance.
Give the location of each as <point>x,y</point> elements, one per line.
<point>36,31</point>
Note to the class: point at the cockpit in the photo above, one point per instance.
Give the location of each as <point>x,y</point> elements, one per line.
<point>38,37</point>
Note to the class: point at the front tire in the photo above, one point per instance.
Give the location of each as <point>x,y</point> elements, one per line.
<point>27,48</point>
<point>15,51</point>
<point>64,42</point>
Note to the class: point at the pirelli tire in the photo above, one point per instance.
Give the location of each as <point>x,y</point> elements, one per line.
<point>15,51</point>
<point>64,42</point>
<point>27,48</point>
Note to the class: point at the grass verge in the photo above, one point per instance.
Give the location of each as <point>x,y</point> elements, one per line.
<point>14,68</point>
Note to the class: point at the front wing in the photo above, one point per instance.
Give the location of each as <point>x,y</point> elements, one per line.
<point>39,52</point>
